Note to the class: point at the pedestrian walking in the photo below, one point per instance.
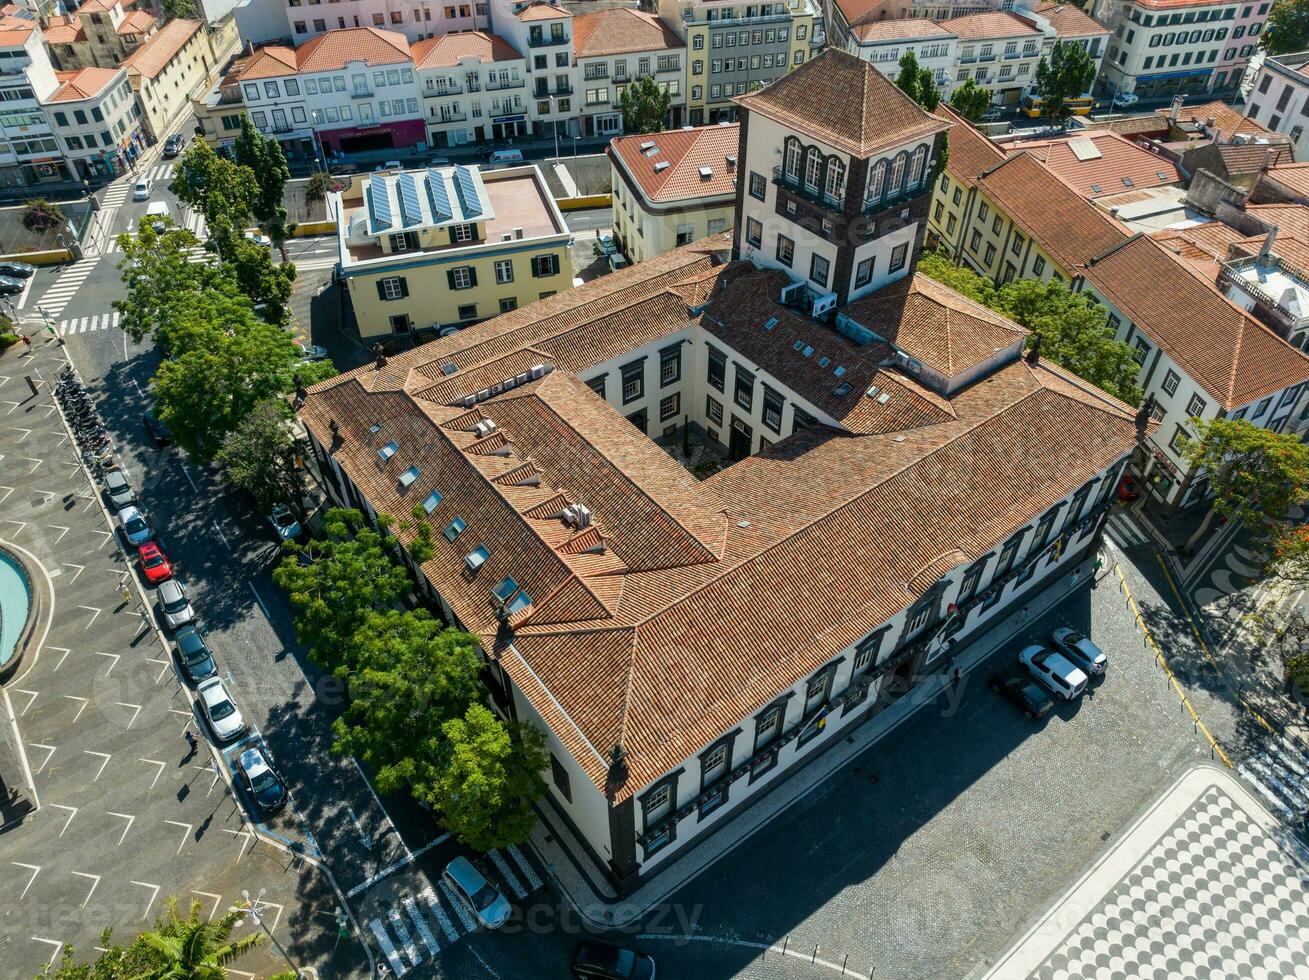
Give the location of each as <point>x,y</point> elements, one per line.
<point>27,341</point>
<point>190,739</point>
<point>958,676</point>
<point>1022,616</point>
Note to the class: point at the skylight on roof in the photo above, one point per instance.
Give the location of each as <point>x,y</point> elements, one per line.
<point>518,602</point>
<point>505,589</point>
<point>455,529</point>
<point>798,345</point>
<point>839,370</point>
<point>408,477</point>
<point>706,173</point>
<point>824,361</point>
<point>1127,182</point>
<point>807,352</point>
<point>449,367</point>
<point>466,188</point>
<point>770,323</point>
<point>476,558</point>
<point>1095,188</point>
<point>429,504</point>
<point>872,391</point>
<point>375,428</point>
<point>1084,149</point>
<point>649,146</point>
<point>883,398</point>
<point>438,196</point>
<point>389,450</point>
<point>841,390</point>
<point>1161,174</point>
<point>661,165</point>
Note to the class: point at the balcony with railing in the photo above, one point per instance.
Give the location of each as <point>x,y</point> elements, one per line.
<point>547,40</point>
<point>796,186</point>
<point>361,93</point>
<point>435,89</point>
<point>495,85</point>
<point>447,117</point>
<point>905,194</point>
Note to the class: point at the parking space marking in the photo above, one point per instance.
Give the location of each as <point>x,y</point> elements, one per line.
<point>65,652</point>
<point>58,944</point>
<point>135,713</point>
<point>222,535</point>
<point>420,923</point>
<point>95,883</point>
<point>158,772</point>
<point>245,835</point>
<point>61,529</point>
<point>167,666</point>
<point>443,920</point>
<point>507,873</point>
<point>80,570</point>
<point>104,756</point>
<point>384,941</point>
<point>72,812</point>
<point>19,690</point>
<point>185,834</point>
<point>533,879</point>
<point>217,900</point>
<point>261,905</point>
<point>115,657</point>
<point>35,869</point>
<point>460,910</point>
<point>50,750</point>
<point>122,816</point>
<point>95,613</point>
<point>85,702</point>
<point>189,715</point>
<point>211,769</point>
<point>154,893</point>
<point>258,599</point>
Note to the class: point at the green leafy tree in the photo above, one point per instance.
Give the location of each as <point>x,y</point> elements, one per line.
<point>220,189</point>
<point>180,8</point>
<point>1074,332</point>
<point>194,948</point>
<point>937,266</point>
<point>645,106</point>
<point>1287,29</point>
<point>319,185</point>
<point>1067,74</point>
<point>1255,475</point>
<point>161,282</point>
<point>917,82</point>
<point>970,100</point>
<point>260,456</point>
<point>258,276</point>
<point>263,156</point>
<point>410,675</point>
<point>335,581</point>
<point>114,962</point>
<point>489,778</point>
<point>1290,561</point>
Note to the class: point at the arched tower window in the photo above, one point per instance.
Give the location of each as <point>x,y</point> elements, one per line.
<point>791,165</point>
<point>876,180</point>
<point>916,167</point>
<point>897,174</point>
<point>813,168</point>
<point>835,186</point>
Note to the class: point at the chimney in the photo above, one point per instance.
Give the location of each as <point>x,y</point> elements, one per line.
<point>1268,157</point>
<point>1175,111</point>
<point>1034,352</point>
<point>1266,249</point>
<point>1218,135</point>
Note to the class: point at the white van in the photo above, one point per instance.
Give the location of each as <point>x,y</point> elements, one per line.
<point>155,213</point>
<point>505,156</point>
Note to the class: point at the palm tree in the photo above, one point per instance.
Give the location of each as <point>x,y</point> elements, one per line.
<point>192,949</point>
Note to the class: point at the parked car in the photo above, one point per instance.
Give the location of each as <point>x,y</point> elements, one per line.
<point>259,238</point>
<point>616,262</point>
<point>175,604</point>
<point>1080,650</point>
<point>1019,687</point>
<point>141,189</point>
<point>312,352</point>
<point>1124,99</point>
<point>174,145</point>
<point>505,156</point>
<point>284,522</point>
<point>160,432</point>
<point>154,563</point>
<point>194,655</point>
<point>260,780</point>
<point>993,114</point>
<point>605,961</point>
<point>388,165</point>
<point>118,490</point>
<point>221,713</point>
<point>605,245</point>
<point>134,526</point>
<point>9,286</point>
<point>17,270</point>
<point>491,908</point>
<point>1060,677</point>
<point>1128,489</point>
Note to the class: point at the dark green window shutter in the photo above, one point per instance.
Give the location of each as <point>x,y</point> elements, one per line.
<point>472,276</point>
<point>450,277</point>
<point>381,290</point>
<point>404,286</point>
<point>453,238</point>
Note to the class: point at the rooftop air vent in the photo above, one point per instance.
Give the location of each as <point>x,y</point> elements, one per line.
<point>540,370</point>
<point>792,292</point>
<point>484,428</point>
<point>824,304</point>
<point>706,173</point>
<point>731,161</point>
<point>661,166</point>
<point>577,516</point>
<point>901,359</point>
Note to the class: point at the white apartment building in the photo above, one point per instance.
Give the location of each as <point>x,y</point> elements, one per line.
<point>614,47</point>
<point>296,21</point>
<point>1279,98</point>
<point>1000,51</point>
<point>473,87</point>
<point>883,43</point>
<point>97,120</point>
<point>1162,48</point>
<point>29,149</point>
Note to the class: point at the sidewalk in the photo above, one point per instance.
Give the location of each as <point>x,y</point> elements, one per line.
<point>583,885</point>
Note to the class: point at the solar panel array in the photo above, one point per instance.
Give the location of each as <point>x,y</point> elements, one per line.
<point>440,198</point>
<point>466,187</point>
<point>380,204</point>
<point>411,212</point>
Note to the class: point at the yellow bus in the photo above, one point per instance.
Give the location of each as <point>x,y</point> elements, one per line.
<point>1034,106</point>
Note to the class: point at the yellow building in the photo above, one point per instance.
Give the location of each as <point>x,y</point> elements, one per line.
<point>438,249</point>
<point>172,65</point>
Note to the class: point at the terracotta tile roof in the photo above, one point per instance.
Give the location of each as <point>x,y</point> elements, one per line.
<point>621,30</point>
<point>1249,158</point>
<point>160,48</point>
<point>273,61</point>
<point>1225,118</point>
<point>866,11</point>
<point>1174,4</point>
<point>1067,227</point>
<point>1294,177</point>
<point>623,639</point>
<point>980,27</point>
<point>541,11</point>
<point>15,37</point>
<point>845,102</point>
<point>899,30</point>
<point>446,50</point>
<point>684,151</point>
<point>137,22</point>
<point>1288,219</point>
<point>98,6</point>
<point>85,83</point>
<point>1231,355</point>
<point>336,49</point>
<point>946,331</point>
<point>972,152</point>
<point>1113,164</point>
<point>1203,247</point>
<point>62,30</point>
<point>1069,20</point>
<point>1135,125</point>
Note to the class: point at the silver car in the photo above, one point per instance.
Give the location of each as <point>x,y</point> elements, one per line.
<point>175,604</point>
<point>1080,650</point>
<point>119,490</point>
<point>135,529</point>
<point>220,711</point>
<point>1055,672</point>
<point>491,908</point>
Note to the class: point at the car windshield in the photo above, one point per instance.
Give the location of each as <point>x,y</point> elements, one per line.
<point>154,560</point>
<point>1073,638</point>
<point>283,520</point>
<point>486,897</point>
<point>610,959</point>
<point>134,525</point>
<point>221,710</point>
<point>265,784</point>
<point>175,604</point>
<point>193,649</point>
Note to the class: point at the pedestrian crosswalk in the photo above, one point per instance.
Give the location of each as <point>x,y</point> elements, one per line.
<point>1278,774</point>
<point>55,298</point>
<point>1123,531</point>
<point>88,324</point>
<point>422,925</point>
<point>116,193</point>
<point>162,171</point>
<point>193,221</point>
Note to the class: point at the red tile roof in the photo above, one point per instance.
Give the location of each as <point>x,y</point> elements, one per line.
<point>972,152</point>
<point>621,30</point>
<point>270,62</point>
<point>845,102</point>
<point>447,50</point>
<point>1116,163</point>
<point>1069,20</point>
<point>1203,247</point>
<point>65,30</point>
<point>1230,354</point>
<point>161,47</point>
<point>336,49</point>
<point>541,11</point>
<point>910,28</point>
<point>85,83</point>
<point>15,37</point>
<point>684,151</point>
<point>1225,118</point>
<point>980,27</point>
<point>137,22</point>
<point>1294,177</point>
<point>1288,219</point>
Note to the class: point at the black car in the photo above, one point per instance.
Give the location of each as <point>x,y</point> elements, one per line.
<point>604,961</point>
<point>173,145</point>
<point>1019,687</point>
<point>260,781</point>
<point>17,270</point>
<point>9,286</point>
<point>193,653</point>
<point>163,436</point>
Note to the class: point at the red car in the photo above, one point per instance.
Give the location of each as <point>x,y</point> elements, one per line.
<point>1127,488</point>
<point>154,563</point>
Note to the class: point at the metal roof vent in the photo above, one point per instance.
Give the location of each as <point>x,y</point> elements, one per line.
<point>541,370</point>
<point>577,516</point>
<point>661,166</point>
<point>706,173</point>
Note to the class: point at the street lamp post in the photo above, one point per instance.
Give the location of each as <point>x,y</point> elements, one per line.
<point>555,112</point>
<point>254,911</point>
